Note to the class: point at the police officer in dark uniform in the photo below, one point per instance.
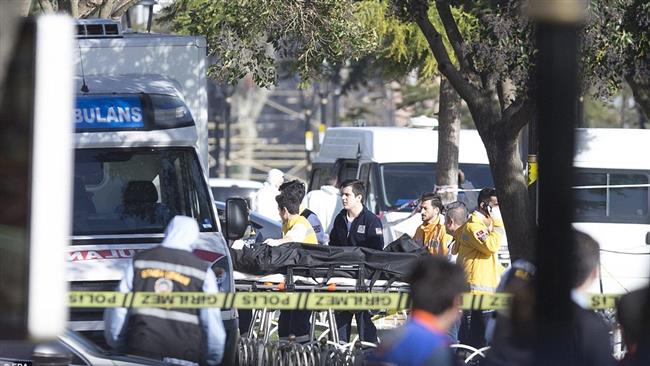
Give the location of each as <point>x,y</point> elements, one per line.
<point>177,336</point>
<point>355,225</point>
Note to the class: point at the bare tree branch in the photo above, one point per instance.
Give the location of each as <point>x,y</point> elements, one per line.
<point>87,7</point>
<point>46,5</point>
<point>121,7</point>
<point>462,85</point>
<point>453,34</point>
<point>106,8</point>
<point>74,8</point>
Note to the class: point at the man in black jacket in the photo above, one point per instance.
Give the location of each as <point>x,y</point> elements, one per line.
<point>356,226</point>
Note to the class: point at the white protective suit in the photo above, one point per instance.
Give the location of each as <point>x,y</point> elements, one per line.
<point>265,203</point>
<point>325,203</point>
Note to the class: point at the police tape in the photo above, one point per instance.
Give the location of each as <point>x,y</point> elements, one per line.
<point>353,301</point>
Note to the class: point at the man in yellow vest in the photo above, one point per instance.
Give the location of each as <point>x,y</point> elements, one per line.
<point>295,229</point>
<point>432,234</point>
<point>476,244</point>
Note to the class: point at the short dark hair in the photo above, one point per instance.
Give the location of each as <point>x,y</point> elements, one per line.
<point>288,201</point>
<point>358,187</point>
<point>457,211</point>
<point>293,188</point>
<point>436,200</point>
<point>435,284</point>
<point>485,194</point>
<point>586,257</point>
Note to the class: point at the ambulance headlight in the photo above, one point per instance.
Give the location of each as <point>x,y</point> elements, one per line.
<point>170,112</point>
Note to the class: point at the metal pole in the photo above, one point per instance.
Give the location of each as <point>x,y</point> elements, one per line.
<point>226,118</point>
<point>558,28</point>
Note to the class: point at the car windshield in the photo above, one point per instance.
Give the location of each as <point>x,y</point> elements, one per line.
<point>223,193</point>
<point>405,182</point>
<point>123,191</point>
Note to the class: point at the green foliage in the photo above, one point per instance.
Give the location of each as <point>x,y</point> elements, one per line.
<point>248,36</point>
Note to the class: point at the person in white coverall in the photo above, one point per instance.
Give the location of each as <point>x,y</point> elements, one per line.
<point>325,203</point>
<point>265,200</point>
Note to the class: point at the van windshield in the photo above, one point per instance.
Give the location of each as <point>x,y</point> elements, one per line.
<point>125,191</point>
<point>405,182</point>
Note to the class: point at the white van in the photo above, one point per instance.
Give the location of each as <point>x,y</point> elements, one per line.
<point>612,202</point>
<point>397,165</point>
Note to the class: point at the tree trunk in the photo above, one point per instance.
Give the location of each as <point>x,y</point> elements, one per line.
<point>641,92</point>
<point>448,140</point>
<point>510,183</point>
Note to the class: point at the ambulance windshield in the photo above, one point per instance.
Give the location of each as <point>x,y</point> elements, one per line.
<point>137,190</point>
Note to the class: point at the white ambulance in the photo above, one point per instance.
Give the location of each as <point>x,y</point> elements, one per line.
<point>140,159</point>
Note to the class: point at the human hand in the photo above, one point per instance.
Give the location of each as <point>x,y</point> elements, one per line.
<point>272,242</point>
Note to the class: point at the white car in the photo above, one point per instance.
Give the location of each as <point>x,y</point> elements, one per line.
<point>224,188</point>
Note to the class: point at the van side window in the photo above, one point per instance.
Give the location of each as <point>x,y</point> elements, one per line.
<point>611,197</point>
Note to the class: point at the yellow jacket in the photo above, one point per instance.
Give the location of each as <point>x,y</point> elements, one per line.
<point>477,249</point>
<point>305,228</point>
<point>434,237</point>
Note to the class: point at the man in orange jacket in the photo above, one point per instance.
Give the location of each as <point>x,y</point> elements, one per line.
<point>432,234</point>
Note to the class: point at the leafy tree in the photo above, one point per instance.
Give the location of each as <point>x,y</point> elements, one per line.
<point>492,74</point>
<point>617,48</point>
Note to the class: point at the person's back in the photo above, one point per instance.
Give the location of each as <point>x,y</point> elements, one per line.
<point>591,344</point>
<point>186,336</point>
<point>147,335</point>
<point>436,287</point>
<point>325,203</point>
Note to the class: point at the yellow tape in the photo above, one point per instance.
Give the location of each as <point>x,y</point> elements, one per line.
<point>289,300</point>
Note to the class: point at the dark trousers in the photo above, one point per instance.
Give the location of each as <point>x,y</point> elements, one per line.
<point>245,317</point>
<point>365,326</point>
<point>294,322</point>
<point>472,327</point>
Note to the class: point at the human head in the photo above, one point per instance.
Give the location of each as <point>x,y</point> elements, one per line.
<point>275,177</point>
<point>487,200</point>
<point>436,285</point>
<point>331,180</point>
<point>287,205</point>
<point>294,188</point>
<point>352,194</point>
<point>586,260</point>
<point>430,207</point>
<point>455,216</point>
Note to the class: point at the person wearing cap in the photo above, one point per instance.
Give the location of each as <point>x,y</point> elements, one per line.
<point>176,336</point>
<point>265,198</point>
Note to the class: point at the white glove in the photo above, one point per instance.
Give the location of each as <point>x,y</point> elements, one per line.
<point>272,242</point>
<point>238,244</point>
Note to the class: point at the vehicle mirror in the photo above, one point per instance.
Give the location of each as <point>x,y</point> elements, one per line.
<point>51,354</point>
<point>236,218</point>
